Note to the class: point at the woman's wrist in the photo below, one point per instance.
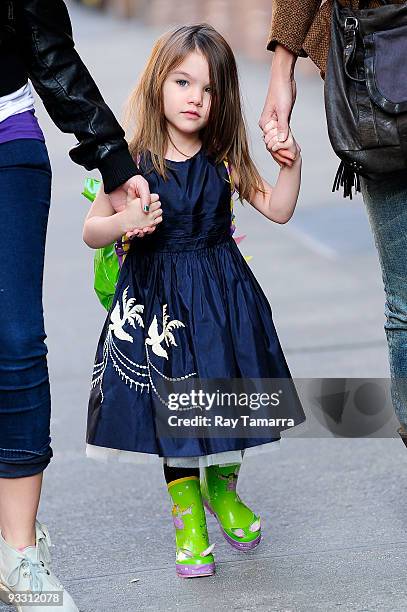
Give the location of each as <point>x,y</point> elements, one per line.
<point>283,63</point>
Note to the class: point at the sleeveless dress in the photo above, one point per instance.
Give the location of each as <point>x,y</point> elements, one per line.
<point>186,305</point>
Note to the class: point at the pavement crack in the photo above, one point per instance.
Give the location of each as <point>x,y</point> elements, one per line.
<point>402,546</point>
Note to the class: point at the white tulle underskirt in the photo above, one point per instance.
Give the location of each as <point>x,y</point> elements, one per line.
<point>101,453</point>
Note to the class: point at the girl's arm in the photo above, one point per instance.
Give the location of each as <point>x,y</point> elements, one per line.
<point>278,203</point>
<point>103,225</point>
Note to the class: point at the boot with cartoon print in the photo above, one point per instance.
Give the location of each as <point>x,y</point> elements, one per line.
<point>194,554</point>
<point>239,525</point>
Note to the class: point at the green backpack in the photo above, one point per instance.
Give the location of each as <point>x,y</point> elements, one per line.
<point>109,259</point>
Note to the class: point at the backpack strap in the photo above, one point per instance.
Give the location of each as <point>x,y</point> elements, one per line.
<point>232,191</point>
<point>229,171</point>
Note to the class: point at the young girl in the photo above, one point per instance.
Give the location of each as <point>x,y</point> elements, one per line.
<point>187,304</point>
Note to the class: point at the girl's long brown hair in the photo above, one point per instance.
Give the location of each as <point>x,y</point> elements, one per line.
<point>225,133</point>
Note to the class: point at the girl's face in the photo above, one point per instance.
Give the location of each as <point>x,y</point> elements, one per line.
<point>187,94</point>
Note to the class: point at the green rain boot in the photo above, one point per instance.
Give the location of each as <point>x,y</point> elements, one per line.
<point>194,555</point>
<point>239,525</point>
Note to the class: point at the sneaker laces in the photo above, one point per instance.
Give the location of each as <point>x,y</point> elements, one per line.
<point>32,568</point>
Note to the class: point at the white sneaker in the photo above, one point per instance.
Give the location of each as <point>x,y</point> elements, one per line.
<point>26,579</point>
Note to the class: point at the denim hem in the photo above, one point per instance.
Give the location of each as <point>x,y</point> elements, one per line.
<point>34,463</point>
<point>9,470</point>
<point>17,455</point>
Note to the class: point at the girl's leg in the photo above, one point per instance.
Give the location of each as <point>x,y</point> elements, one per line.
<point>193,553</point>
<point>386,203</point>
<point>239,524</point>
<point>174,473</point>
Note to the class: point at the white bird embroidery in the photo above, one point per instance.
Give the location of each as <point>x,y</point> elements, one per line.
<point>154,338</point>
<point>131,315</point>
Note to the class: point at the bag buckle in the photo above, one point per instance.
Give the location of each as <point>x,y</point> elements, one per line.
<point>351,23</point>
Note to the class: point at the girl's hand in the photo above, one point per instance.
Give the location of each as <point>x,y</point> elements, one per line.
<point>138,221</point>
<point>288,151</point>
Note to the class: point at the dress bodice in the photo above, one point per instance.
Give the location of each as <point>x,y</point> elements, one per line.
<point>195,199</point>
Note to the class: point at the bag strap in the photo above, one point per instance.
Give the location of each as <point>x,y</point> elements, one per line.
<point>350,44</point>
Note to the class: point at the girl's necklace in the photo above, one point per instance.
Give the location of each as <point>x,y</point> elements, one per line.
<point>176,148</point>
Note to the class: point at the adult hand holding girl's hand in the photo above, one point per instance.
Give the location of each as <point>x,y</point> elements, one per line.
<point>139,184</point>
<point>144,222</point>
<point>289,148</point>
<point>280,100</point>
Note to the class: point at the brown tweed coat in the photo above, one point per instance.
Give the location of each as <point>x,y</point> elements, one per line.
<point>304,26</point>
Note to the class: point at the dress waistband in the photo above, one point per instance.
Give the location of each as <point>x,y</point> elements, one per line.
<point>174,243</point>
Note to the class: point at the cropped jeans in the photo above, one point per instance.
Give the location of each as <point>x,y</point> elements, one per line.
<point>386,203</point>
<point>25,191</point>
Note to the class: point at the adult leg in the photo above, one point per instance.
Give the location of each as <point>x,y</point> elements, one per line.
<point>25,560</point>
<point>19,499</point>
<point>25,181</point>
<point>386,203</point>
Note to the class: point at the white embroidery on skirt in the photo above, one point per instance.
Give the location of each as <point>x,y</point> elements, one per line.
<point>127,369</point>
<point>155,338</point>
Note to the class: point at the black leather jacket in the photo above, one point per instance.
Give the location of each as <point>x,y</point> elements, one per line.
<point>36,41</point>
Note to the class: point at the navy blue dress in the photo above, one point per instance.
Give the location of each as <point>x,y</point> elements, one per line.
<point>186,305</point>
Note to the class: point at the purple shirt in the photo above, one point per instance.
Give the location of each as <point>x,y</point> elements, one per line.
<point>22,125</point>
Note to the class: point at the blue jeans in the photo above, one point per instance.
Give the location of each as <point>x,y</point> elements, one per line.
<point>25,191</point>
<point>386,203</point>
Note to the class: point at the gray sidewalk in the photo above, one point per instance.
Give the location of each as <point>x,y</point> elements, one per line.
<point>333,510</point>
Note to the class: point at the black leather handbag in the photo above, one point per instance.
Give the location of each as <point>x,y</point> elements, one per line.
<point>366,92</point>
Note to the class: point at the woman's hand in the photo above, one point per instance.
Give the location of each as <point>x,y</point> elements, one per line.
<point>280,100</point>
<point>144,222</point>
<point>139,184</point>
<point>118,199</point>
<point>288,149</point>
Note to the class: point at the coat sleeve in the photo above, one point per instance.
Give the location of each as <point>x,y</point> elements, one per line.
<point>291,21</point>
<point>69,93</point>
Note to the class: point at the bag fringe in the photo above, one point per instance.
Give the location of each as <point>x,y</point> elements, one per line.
<point>347,178</point>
